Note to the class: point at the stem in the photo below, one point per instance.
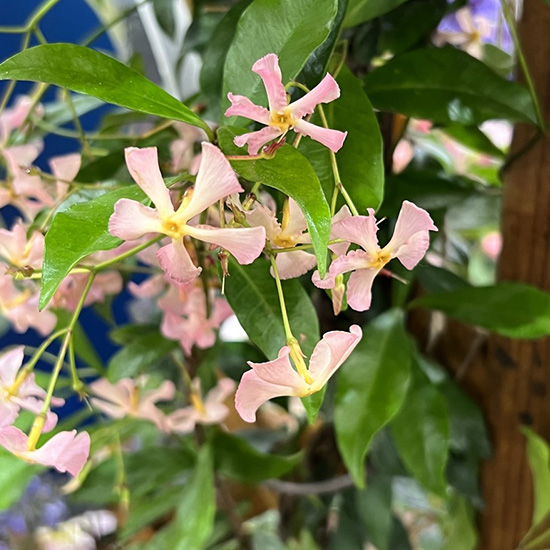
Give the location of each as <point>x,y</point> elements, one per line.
<point>286,323</point>
<point>40,13</point>
<point>77,384</point>
<point>13,30</point>
<point>246,157</point>
<point>510,20</point>
<point>11,85</point>
<point>108,263</point>
<point>78,126</point>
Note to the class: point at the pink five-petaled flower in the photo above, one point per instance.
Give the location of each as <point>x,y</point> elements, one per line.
<point>127,398</point>
<point>215,181</point>
<point>211,410</point>
<point>282,117</point>
<point>277,378</point>
<point>409,243</point>
<point>65,451</point>
<point>26,394</point>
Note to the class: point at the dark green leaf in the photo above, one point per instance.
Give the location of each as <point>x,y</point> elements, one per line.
<point>290,29</point>
<point>371,388</point>
<point>289,172</point>
<point>473,138</point>
<point>252,294</point>
<point>164,13</point>
<point>15,475</point>
<point>511,309</point>
<point>360,11</point>
<point>374,507</point>
<point>239,460</point>
<point>447,85</point>
<point>538,454</point>
<point>89,72</point>
<point>76,233</point>
<point>438,279</point>
<point>421,432</point>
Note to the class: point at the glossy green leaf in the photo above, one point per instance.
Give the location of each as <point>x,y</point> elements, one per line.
<point>421,432</point>
<point>538,454</point>
<point>510,309</point>
<point>15,475</point>
<point>290,172</point>
<point>90,72</point>
<point>194,520</point>
<point>76,233</point>
<point>291,29</point>
<point>447,85</point>
<point>252,294</point>
<point>237,459</point>
<point>360,11</point>
<point>371,387</point>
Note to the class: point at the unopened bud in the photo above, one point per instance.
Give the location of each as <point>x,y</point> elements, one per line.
<point>223,256</point>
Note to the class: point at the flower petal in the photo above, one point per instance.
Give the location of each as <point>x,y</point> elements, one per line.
<point>176,262</point>
<point>294,264</point>
<point>270,73</point>
<point>410,238</point>
<point>215,181</point>
<point>262,216</point>
<point>131,220</point>
<point>359,289</point>
<point>245,244</point>
<point>143,165</point>
<point>256,140</point>
<point>182,420</point>
<point>329,354</point>
<point>356,259</point>
<point>10,363</point>
<point>326,91</point>
<point>333,139</point>
<point>360,230</point>
<point>242,106</point>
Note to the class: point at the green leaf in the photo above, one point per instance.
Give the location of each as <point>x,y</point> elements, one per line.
<point>360,11</point>
<point>292,29</point>
<point>462,533</point>
<point>473,138</point>
<point>237,459</point>
<point>371,387</point>
<point>538,454</point>
<point>15,475</point>
<point>290,172</point>
<point>447,85</point>
<point>76,233</point>
<point>421,432</point>
<point>510,309</point>
<point>92,73</point>
<point>194,520</point>
<point>252,294</point>
<point>374,508</point>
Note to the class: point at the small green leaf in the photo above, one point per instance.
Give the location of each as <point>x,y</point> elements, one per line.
<point>290,29</point>
<point>447,85</point>
<point>421,432</point>
<point>360,11</point>
<point>252,294</point>
<point>371,387</point>
<point>538,454</point>
<point>15,475</point>
<point>76,233</point>
<point>93,73</point>
<point>290,172</point>
<point>237,459</point>
<point>510,309</point>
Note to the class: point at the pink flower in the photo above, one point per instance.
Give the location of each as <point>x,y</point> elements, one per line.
<point>215,181</point>
<point>277,378</point>
<point>185,317</point>
<point>27,394</point>
<point>210,411</point>
<point>65,451</point>
<point>491,245</point>
<point>282,117</point>
<point>20,252</point>
<point>409,243</point>
<point>65,168</point>
<point>402,155</point>
<point>12,118</point>
<point>126,398</point>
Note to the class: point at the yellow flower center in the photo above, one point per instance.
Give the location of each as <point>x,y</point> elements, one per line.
<point>379,260</point>
<point>282,120</point>
<point>173,228</point>
<point>196,401</point>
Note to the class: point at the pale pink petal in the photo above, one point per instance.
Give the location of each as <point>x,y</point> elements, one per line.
<point>246,243</point>
<point>220,392</point>
<point>294,264</point>
<point>110,409</point>
<point>215,181</point>
<point>165,392</point>
<point>270,73</point>
<point>402,156</point>
<point>183,420</point>
<point>131,220</point>
<point>359,289</point>
<point>410,238</point>
<point>66,167</point>
<point>279,371</point>
<point>65,451</point>
<point>294,223</point>
<point>356,259</point>
<point>22,156</point>
<point>261,216</point>
<point>176,262</point>
<point>256,140</point>
<point>13,439</point>
<point>333,139</point>
<point>329,354</point>
<point>242,106</point>
<point>173,326</point>
<point>143,165</point>
<point>10,363</point>
<point>119,393</point>
<point>491,245</point>
<point>340,248</point>
<point>222,311</point>
<point>360,230</point>
<point>326,91</point>
<point>8,413</point>
<point>149,288</point>
<point>14,117</point>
